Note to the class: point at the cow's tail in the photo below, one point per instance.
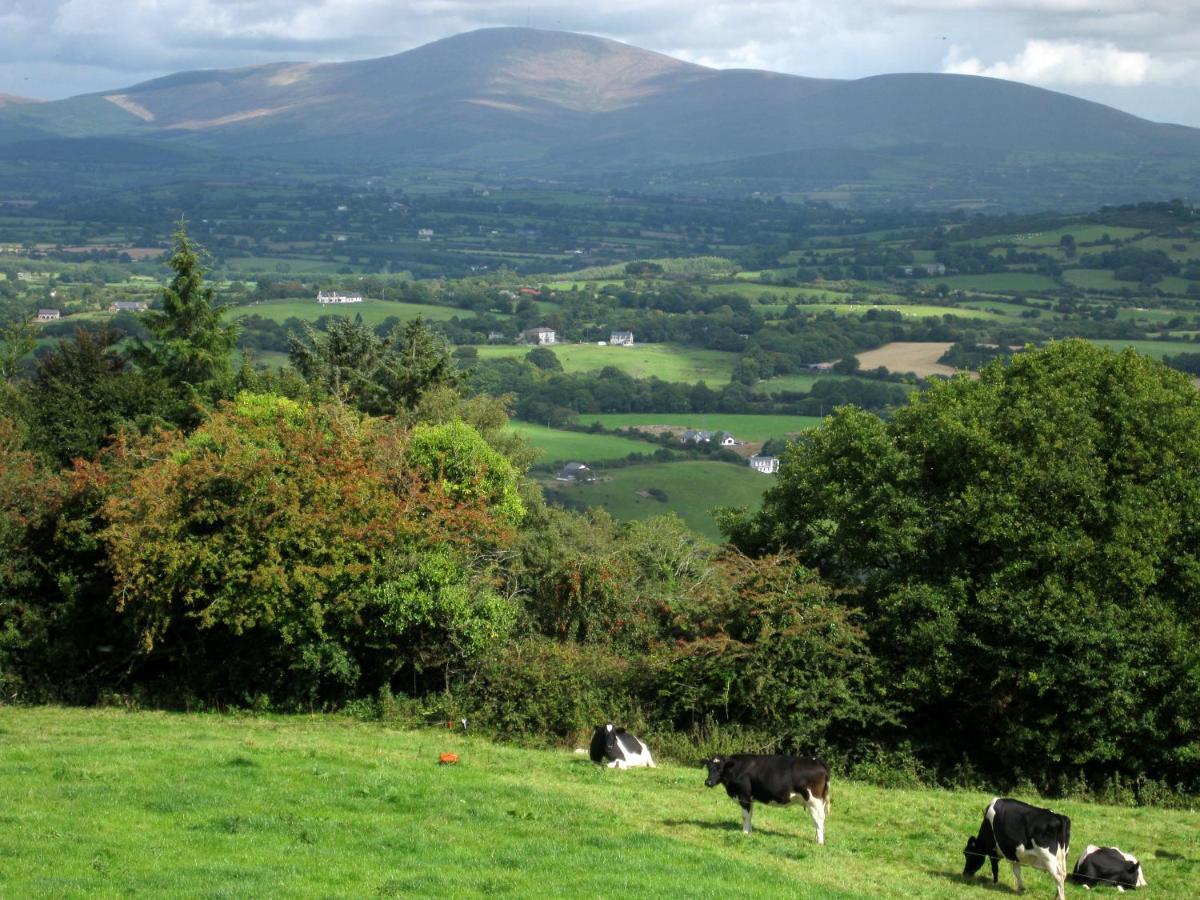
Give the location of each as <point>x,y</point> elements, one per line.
<point>825,799</point>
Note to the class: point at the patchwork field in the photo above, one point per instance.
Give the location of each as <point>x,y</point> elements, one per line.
<point>109,804</point>
<point>693,489</point>
<point>667,361</point>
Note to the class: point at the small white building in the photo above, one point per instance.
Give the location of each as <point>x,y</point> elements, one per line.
<point>48,315</point>
<point>539,335</point>
<point>768,465</point>
<point>424,234</point>
<point>127,306</point>
<point>324,297</point>
<point>621,339</point>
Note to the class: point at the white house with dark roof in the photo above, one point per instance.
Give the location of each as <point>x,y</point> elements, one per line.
<point>48,315</point>
<point>327,297</point>
<point>128,306</point>
<point>621,339</point>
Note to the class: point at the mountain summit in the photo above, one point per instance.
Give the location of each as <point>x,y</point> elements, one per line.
<point>571,106</point>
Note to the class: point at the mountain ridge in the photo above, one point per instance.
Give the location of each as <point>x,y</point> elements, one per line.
<point>565,105</point>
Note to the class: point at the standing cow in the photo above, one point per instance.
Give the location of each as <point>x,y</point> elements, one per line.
<point>622,749</point>
<point>1022,834</point>
<point>773,779</point>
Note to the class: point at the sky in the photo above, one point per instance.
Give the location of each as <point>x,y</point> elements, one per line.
<point>1141,56</point>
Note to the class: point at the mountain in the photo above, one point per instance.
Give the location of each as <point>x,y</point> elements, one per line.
<point>14,100</point>
<point>568,106</point>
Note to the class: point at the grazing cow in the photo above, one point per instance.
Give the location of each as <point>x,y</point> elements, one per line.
<point>1021,834</point>
<point>622,749</point>
<point>1108,866</point>
<point>773,779</point>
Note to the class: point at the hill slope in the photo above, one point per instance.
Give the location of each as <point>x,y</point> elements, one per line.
<point>574,106</point>
<point>104,803</point>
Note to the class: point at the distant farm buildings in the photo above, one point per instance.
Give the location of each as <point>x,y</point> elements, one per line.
<point>324,297</point>
<point>621,339</point>
<point>768,465</point>
<point>574,472</point>
<point>724,438</point>
<point>48,315</point>
<point>424,234</point>
<point>927,268</point>
<point>118,306</point>
<point>538,335</point>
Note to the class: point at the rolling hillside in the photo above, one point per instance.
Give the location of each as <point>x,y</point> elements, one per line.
<point>565,105</point>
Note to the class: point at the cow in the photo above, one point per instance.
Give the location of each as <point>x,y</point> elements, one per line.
<point>622,749</point>
<point>1101,866</point>
<point>1021,834</point>
<point>772,779</point>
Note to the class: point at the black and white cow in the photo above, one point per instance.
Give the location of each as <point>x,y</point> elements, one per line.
<point>622,749</point>
<point>1108,867</point>
<point>1022,834</point>
<point>773,779</point>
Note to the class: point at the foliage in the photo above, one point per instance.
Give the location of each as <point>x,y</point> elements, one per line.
<point>29,500</point>
<point>191,348</point>
<point>308,548</point>
<point>765,644</point>
<point>1025,549</point>
<point>378,375</point>
<point>83,391</point>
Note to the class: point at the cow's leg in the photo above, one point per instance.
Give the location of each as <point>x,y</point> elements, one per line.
<point>747,810</point>
<point>1017,875</point>
<point>816,809</point>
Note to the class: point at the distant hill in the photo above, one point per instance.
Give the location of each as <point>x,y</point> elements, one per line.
<point>14,100</point>
<point>569,106</point>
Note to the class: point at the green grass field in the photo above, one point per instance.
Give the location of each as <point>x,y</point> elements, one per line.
<point>746,427</point>
<point>568,446</point>
<point>668,361</point>
<point>103,803</point>
<point>693,488</point>
<point>1155,349</point>
<point>372,311</point>
<point>1013,282</point>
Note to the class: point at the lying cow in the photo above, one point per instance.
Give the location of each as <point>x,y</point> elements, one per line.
<point>1022,834</point>
<point>1108,867</point>
<point>773,779</point>
<point>622,749</point>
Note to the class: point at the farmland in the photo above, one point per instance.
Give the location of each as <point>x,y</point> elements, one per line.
<point>907,356</point>
<point>666,361</point>
<point>103,803</point>
<point>748,427</point>
<point>692,490</point>
<point>565,446</point>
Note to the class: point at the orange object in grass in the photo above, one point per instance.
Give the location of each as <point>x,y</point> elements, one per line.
<point>448,759</point>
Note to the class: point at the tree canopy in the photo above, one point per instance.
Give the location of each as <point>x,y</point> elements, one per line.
<point>1027,550</point>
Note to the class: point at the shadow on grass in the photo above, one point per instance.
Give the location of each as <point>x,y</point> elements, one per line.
<point>975,881</point>
<point>724,826</point>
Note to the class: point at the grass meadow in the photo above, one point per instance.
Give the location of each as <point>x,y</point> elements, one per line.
<point>372,311</point>
<point>568,446</point>
<point>106,803</point>
<point>669,362</point>
<point>693,489</point>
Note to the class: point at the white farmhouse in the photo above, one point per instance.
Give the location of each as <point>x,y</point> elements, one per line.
<point>326,297</point>
<point>768,465</point>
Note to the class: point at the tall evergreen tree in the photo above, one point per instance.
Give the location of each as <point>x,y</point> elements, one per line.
<point>191,348</point>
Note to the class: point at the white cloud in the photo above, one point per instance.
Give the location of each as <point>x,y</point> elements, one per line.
<point>1066,63</point>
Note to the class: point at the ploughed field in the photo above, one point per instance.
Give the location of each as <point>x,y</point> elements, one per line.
<point>103,803</point>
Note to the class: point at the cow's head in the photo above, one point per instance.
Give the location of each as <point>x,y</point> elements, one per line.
<point>975,854</point>
<point>716,770</point>
<point>606,735</point>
